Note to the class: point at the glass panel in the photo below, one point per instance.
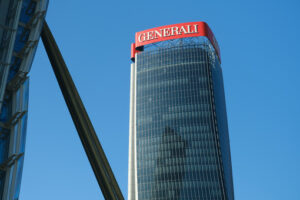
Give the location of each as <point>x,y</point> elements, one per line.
<point>177,153</point>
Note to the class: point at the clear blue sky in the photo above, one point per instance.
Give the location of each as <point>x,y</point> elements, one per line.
<point>259,43</point>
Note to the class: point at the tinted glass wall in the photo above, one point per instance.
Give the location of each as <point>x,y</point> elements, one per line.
<point>178,153</point>
<point>20,27</point>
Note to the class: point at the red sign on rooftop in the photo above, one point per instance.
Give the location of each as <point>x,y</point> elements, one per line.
<point>176,31</point>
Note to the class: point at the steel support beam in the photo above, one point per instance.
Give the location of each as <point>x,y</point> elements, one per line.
<point>85,129</point>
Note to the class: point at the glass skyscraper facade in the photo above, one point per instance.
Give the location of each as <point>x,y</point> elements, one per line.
<point>20,26</point>
<point>179,143</point>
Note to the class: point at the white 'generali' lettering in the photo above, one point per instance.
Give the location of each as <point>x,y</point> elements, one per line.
<point>167,32</point>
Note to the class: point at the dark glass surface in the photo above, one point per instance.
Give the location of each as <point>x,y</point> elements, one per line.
<point>178,154</point>
<point>28,8</point>
<point>4,145</point>
<point>219,99</point>
<point>13,117</point>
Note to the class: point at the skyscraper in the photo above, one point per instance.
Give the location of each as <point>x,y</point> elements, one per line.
<point>20,27</point>
<point>178,141</point>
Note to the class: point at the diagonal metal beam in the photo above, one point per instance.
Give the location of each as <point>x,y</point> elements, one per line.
<point>85,129</point>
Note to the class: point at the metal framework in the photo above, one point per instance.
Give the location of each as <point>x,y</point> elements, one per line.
<point>85,129</point>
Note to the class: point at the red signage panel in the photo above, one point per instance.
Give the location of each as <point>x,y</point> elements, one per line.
<point>133,51</point>
<point>176,31</point>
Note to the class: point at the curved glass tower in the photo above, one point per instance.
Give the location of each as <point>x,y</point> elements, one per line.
<point>179,143</point>
<point>20,26</point>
